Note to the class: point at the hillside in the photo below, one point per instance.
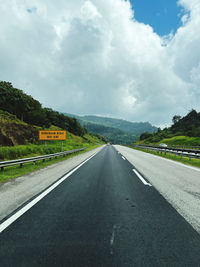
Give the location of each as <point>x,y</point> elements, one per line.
<point>29,110</point>
<point>21,117</point>
<point>116,130</point>
<point>123,125</point>
<point>14,131</point>
<point>184,131</point>
<point>114,135</point>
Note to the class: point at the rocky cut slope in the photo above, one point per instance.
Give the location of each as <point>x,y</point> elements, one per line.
<point>14,131</point>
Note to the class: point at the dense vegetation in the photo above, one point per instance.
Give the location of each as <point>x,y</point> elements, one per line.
<point>21,117</point>
<point>184,131</point>
<point>29,110</point>
<point>114,135</point>
<point>28,150</point>
<point>116,130</point>
<point>123,125</point>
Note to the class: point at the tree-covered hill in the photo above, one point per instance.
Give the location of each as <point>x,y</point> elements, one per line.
<point>187,126</point>
<point>29,110</point>
<point>123,125</point>
<point>116,130</point>
<point>114,135</point>
<point>21,117</point>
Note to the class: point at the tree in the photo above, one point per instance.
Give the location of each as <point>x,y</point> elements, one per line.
<point>145,135</point>
<point>176,119</point>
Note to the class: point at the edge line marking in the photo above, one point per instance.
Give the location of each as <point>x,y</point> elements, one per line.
<point>19,213</point>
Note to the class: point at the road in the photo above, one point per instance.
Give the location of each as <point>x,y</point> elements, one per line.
<point>102,214</point>
<point>178,183</point>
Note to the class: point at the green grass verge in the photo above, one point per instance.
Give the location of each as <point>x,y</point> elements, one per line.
<point>174,141</point>
<point>12,172</point>
<point>42,148</point>
<point>184,160</point>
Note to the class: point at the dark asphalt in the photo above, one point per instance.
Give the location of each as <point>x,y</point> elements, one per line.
<point>102,215</point>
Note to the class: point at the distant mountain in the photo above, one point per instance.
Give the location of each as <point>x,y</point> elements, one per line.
<point>116,130</point>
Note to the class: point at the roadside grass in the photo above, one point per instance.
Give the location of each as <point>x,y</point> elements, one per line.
<point>181,141</point>
<point>184,160</point>
<point>12,172</point>
<point>48,147</point>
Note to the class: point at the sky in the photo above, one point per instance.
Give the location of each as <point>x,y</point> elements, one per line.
<point>164,16</point>
<point>137,60</point>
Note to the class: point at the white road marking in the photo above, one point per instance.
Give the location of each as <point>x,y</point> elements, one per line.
<point>175,162</point>
<point>19,213</point>
<point>141,178</point>
<point>123,158</point>
<point>113,236</point>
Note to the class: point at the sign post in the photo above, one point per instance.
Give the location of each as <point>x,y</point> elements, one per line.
<point>53,135</point>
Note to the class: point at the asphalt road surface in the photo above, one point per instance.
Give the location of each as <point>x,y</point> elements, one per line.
<point>177,182</point>
<point>104,214</point>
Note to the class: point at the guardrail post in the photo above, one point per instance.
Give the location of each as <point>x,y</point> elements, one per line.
<point>2,169</point>
<point>20,165</point>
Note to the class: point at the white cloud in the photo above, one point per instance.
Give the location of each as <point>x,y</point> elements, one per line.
<point>93,57</point>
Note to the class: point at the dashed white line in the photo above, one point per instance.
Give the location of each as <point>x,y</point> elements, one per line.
<point>141,178</point>
<point>112,236</point>
<point>123,158</point>
<point>19,213</point>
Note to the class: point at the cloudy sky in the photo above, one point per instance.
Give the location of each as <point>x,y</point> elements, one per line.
<point>137,60</point>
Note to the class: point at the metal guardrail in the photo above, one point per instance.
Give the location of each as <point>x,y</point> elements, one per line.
<point>20,162</point>
<point>196,151</point>
<point>190,153</point>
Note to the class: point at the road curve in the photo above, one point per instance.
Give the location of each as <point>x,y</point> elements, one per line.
<point>103,214</point>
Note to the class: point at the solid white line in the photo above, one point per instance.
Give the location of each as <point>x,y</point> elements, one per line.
<point>123,158</point>
<point>19,213</point>
<point>141,178</point>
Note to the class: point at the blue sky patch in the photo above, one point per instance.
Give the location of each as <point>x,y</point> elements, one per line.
<point>163,15</point>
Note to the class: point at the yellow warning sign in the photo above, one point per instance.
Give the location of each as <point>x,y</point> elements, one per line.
<point>52,135</point>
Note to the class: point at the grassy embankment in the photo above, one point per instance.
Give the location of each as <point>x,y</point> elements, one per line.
<point>22,151</point>
<point>180,141</point>
<point>175,141</point>
<point>14,132</point>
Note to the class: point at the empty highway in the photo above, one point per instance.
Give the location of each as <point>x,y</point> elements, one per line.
<point>105,212</point>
